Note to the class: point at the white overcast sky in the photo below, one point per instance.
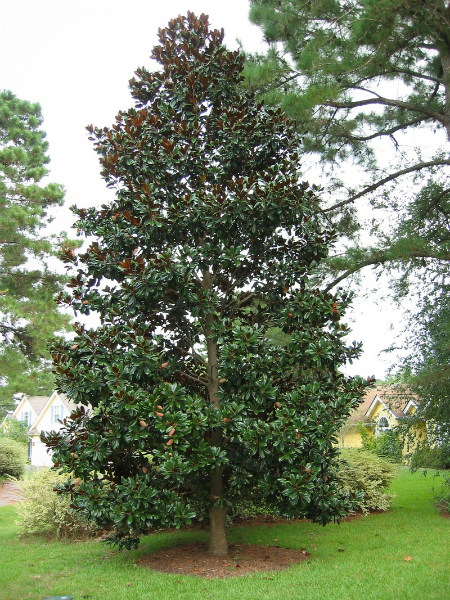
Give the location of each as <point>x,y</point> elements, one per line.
<point>75,57</point>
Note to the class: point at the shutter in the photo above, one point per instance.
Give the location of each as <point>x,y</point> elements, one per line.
<point>51,415</point>
<point>62,412</point>
<point>21,416</point>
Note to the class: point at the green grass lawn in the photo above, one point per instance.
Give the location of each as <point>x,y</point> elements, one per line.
<point>370,566</point>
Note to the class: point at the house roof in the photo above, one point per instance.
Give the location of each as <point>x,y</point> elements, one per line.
<point>40,404</point>
<point>395,398</point>
<point>37,403</point>
<point>68,403</point>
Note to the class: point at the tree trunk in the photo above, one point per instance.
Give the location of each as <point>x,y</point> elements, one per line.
<point>445,61</point>
<point>218,543</point>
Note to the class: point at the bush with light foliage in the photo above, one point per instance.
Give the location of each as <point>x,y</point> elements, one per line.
<point>45,512</point>
<point>362,471</point>
<point>13,458</point>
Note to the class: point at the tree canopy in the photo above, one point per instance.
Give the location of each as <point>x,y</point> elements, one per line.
<point>28,314</point>
<point>357,77</point>
<point>368,86</point>
<point>187,403</point>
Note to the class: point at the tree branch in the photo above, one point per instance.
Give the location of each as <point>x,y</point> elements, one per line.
<point>192,378</point>
<point>384,257</point>
<point>387,132</point>
<point>194,354</point>
<point>373,187</point>
<point>414,74</point>
<point>387,102</point>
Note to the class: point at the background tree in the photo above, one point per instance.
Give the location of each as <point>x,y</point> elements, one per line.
<point>426,371</point>
<point>208,245</point>
<point>15,430</point>
<point>357,77</point>
<point>28,313</point>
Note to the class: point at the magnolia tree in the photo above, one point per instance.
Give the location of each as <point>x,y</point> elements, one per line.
<point>187,402</point>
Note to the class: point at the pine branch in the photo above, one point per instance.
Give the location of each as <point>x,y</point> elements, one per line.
<point>388,102</point>
<point>383,257</point>
<point>381,182</point>
<point>386,132</point>
<point>436,80</point>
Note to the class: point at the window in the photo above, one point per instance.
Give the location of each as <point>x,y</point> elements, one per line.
<point>56,413</point>
<point>383,425</point>
<point>26,417</point>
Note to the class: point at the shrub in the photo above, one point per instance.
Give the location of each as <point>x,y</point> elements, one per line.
<point>251,507</point>
<point>442,496</point>
<point>389,445</point>
<point>241,506</point>
<point>362,471</point>
<point>425,457</point>
<point>13,457</point>
<point>368,440</point>
<point>15,430</point>
<point>45,512</point>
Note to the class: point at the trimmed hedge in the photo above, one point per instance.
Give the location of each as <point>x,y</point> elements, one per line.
<point>362,471</point>
<point>13,458</point>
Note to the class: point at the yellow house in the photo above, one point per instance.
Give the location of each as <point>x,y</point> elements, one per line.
<point>381,410</point>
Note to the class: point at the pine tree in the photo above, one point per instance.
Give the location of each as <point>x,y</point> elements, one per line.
<point>28,314</point>
<point>356,76</point>
<point>186,402</point>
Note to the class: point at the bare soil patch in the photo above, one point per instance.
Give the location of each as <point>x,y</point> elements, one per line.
<point>242,559</point>
<point>444,512</point>
<point>9,493</point>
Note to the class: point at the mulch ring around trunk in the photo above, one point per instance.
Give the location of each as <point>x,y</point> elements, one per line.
<point>242,559</point>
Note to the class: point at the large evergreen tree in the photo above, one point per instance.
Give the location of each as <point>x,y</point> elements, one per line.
<point>426,370</point>
<point>357,76</point>
<point>209,243</point>
<point>28,314</point>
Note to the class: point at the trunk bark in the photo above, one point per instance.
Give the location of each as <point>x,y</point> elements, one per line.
<point>445,61</point>
<point>218,545</point>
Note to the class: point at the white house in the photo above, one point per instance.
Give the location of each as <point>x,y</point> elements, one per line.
<point>42,414</point>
